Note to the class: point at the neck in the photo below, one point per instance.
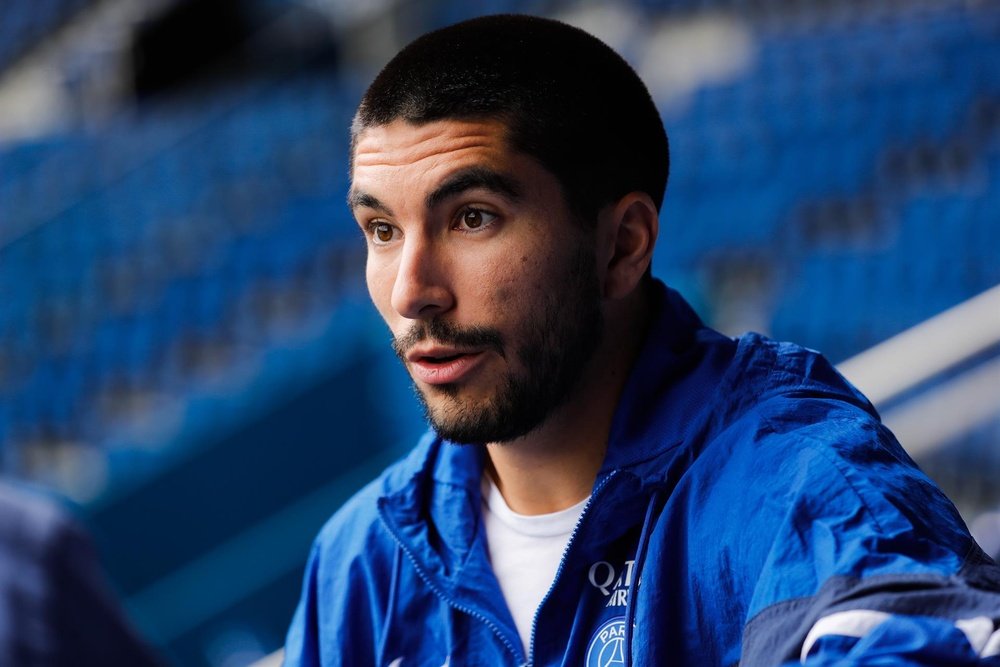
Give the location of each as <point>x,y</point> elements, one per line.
<point>555,466</point>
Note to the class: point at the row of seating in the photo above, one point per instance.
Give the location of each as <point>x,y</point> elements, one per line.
<point>166,248</point>
<point>817,181</point>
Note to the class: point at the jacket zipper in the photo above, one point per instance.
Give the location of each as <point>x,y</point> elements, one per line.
<point>441,594</point>
<point>562,562</point>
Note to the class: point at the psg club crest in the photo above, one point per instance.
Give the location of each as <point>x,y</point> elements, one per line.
<point>607,646</point>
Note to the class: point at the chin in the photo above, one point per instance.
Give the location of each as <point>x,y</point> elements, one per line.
<point>481,423</point>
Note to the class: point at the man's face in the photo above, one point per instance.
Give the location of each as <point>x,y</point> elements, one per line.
<point>488,284</point>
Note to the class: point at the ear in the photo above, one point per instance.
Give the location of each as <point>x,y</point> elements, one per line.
<point>628,231</point>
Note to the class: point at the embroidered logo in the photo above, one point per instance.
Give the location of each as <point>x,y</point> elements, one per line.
<point>607,646</point>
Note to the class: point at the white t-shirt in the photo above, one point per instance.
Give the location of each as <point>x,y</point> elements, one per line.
<point>525,551</point>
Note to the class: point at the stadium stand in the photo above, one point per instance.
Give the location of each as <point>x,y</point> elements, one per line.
<point>185,344</point>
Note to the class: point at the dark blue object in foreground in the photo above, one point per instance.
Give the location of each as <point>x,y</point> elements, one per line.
<point>55,605</point>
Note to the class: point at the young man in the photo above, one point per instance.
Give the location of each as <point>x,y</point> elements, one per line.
<point>607,481</point>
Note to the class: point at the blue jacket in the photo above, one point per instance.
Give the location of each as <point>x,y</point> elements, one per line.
<point>751,509</point>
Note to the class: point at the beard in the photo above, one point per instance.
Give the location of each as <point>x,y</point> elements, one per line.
<point>553,343</point>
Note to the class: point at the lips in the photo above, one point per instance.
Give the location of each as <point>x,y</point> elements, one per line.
<point>441,365</point>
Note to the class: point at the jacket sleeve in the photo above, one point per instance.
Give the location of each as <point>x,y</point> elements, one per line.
<point>871,565</point>
<point>865,637</point>
<point>302,641</point>
<point>900,619</point>
<point>342,607</point>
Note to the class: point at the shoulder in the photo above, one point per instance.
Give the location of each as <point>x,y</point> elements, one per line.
<point>813,436</point>
<point>358,517</point>
<point>34,529</point>
<point>799,415</point>
<point>782,405</point>
<point>355,530</point>
<point>347,580</point>
<point>808,458</point>
<point>29,515</point>
<point>773,368</point>
<point>777,393</point>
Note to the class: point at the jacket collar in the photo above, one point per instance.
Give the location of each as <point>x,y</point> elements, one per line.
<point>669,384</point>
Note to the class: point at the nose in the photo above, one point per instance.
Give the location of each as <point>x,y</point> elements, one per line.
<point>421,289</point>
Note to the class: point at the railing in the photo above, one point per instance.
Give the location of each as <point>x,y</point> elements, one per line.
<point>957,405</point>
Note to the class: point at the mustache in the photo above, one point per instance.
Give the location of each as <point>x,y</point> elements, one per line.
<point>447,334</point>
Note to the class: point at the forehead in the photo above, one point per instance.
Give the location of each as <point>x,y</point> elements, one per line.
<point>401,150</point>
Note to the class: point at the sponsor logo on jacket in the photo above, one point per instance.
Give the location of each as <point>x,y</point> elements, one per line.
<point>612,582</point>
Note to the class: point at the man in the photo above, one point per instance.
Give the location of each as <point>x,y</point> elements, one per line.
<point>607,481</point>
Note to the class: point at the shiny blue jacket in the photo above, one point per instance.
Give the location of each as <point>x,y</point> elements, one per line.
<point>751,510</point>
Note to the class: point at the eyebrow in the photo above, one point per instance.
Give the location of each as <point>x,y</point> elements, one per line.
<point>474,178</point>
<point>356,199</point>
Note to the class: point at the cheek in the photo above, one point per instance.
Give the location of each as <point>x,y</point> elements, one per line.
<point>380,281</point>
<point>519,280</point>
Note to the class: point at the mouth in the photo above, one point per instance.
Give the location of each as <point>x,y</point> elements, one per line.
<point>443,366</point>
<point>442,359</point>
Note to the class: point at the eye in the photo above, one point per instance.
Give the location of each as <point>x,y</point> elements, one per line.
<point>381,233</point>
<point>474,219</point>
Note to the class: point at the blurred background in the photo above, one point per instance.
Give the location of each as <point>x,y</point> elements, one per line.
<point>187,352</point>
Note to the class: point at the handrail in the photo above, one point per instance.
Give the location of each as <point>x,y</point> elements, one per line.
<point>921,352</point>
<point>947,411</point>
<point>272,660</point>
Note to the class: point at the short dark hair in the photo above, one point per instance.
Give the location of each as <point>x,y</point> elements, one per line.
<point>567,99</point>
